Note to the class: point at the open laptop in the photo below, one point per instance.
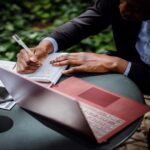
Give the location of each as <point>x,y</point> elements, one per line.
<point>98,121</point>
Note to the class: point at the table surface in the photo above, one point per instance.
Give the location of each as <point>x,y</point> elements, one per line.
<point>29,131</point>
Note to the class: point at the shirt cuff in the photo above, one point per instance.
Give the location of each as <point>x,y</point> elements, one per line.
<point>128,69</point>
<point>54,43</point>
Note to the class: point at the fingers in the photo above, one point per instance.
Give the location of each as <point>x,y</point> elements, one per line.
<point>61,58</point>
<point>65,62</point>
<point>27,56</point>
<point>23,67</point>
<point>75,69</point>
<point>20,69</point>
<point>26,69</point>
<point>27,62</point>
<point>68,59</point>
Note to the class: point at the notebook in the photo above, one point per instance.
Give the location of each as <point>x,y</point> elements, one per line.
<point>46,73</point>
<point>76,105</point>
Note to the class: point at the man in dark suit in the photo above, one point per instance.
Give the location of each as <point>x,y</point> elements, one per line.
<point>130,25</point>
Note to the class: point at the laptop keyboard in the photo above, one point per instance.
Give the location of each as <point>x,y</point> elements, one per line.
<point>101,122</point>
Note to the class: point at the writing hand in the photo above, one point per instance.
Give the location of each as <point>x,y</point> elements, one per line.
<point>30,62</point>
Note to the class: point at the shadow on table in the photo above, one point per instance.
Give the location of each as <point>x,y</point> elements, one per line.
<point>74,135</point>
<point>81,139</point>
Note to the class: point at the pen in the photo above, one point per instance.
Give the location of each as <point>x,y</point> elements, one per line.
<point>21,43</point>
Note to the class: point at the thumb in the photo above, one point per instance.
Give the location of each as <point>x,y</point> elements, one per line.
<point>33,56</point>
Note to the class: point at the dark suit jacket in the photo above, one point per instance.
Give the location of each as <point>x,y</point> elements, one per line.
<point>97,18</point>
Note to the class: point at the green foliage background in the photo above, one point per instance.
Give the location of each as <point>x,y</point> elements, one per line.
<point>35,19</point>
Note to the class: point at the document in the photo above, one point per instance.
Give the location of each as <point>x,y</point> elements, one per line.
<point>1,84</point>
<point>46,73</point>
<point>7,105</point>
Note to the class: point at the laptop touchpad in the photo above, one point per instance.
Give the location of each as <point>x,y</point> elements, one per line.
<point>98,96</point>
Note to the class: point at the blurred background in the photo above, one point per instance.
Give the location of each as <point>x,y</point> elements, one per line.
<point>33,20</point>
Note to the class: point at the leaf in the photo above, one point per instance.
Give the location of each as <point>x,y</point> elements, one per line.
<point>9,27</point>
<point>20,17</point>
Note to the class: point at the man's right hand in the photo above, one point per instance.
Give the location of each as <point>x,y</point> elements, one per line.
<point>30,62</point>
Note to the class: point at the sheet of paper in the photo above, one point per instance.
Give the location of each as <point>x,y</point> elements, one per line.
<point>7,64</point>
<point>1,84</point>
<point>46,73</point>
<point>7,105</point>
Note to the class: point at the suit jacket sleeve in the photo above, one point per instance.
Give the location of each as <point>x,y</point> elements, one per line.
<point>140,74</point>
<point>92,21</point>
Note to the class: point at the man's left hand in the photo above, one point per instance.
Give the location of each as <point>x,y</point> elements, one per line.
<point>91,62</point>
